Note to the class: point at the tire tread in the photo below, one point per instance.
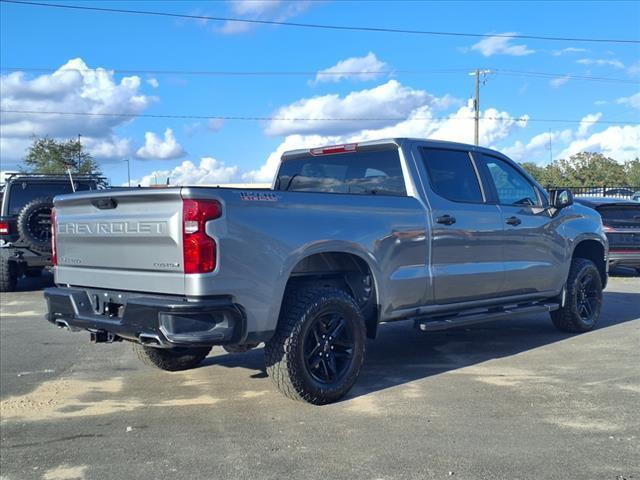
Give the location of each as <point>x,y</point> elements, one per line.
<point>168,360</point>
<point>564,318</point>
<point>279,351</point>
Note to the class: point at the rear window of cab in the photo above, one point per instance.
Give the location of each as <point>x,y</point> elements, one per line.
<point>368,172</point>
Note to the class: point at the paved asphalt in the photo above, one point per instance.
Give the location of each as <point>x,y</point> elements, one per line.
<point>507,400</point>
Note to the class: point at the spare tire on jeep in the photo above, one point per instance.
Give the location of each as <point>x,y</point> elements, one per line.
<point>34,224</point>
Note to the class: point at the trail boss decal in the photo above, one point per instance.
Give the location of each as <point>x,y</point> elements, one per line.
<point>258,197</point>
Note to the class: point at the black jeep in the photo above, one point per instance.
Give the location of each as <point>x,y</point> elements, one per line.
<point>25,221</point>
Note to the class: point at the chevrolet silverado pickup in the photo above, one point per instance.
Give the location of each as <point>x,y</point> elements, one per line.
<point>348,237</point>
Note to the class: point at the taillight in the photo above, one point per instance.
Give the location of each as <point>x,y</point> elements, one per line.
<point>54,255</point>
<point>199,250</point>
<point>4,228</point>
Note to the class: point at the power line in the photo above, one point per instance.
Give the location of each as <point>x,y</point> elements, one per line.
<point>322,26</point>
<point>317,119</point>
<point>249,73</point>
<point>237,72</point>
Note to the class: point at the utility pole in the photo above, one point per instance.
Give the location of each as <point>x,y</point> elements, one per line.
<point>476,102</point>
<point>476,107</point>
<point>128,171</point>
<point>550,151</point>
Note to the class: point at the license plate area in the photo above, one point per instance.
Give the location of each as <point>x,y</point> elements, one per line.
<point>108,304</point>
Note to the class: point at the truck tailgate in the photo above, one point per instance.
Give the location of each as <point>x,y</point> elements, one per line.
<point>121,239</point>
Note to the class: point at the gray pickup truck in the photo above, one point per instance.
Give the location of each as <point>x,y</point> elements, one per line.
<point>349,236</point>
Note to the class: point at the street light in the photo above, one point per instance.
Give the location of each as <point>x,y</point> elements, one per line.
<point>128,171</point>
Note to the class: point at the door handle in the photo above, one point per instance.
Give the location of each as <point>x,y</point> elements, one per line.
<point>446,220</point>
<point>514,221</point>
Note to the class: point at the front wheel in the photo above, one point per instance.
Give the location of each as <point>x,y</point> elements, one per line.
<point>583,299</point>
<point>172,360</point>
<point>317,352</point>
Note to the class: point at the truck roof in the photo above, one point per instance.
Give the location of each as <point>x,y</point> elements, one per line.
<point>397,141</point>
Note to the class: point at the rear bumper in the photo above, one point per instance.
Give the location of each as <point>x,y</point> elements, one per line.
<point>630,258</point>
<point>160,321</point>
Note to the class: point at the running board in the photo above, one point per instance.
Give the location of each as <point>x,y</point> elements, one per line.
<point>461,319</point>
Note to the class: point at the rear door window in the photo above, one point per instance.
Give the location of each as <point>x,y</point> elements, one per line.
<point>21,193</point>
<point>452,175</point>
<point>367,172</point>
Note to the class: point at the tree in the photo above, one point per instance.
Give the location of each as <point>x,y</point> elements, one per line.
<point>548,175</point>
<point>632,172</point>
<point>585,169</point>
<point>49,156</point>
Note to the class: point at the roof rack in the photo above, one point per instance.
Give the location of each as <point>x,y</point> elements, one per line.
<point>76,176</point>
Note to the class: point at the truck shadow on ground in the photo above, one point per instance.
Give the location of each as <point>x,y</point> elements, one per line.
<point>402,354</point>
<point>32,284</point>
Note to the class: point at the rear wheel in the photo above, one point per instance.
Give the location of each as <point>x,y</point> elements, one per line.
<point>172,360</point>
<point>8,275</point>
<point>317,353</point>
<point>583,299</point>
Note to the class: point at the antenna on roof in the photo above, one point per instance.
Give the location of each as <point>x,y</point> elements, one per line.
<point>73,187</point>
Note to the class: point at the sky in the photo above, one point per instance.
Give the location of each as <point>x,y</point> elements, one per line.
<point>170,80</point>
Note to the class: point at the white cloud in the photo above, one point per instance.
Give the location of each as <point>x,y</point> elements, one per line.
<point>12,150</point>
<point>601,62</point>
<point>588,122</point>
<point>159,149</point>
<point>153,82</point>
<point>565,51</point>
<point>108,149</point>
<point>634,68</point>
<point>391,100</point>
<point>558,82</point>
<point>368,63</point>
<point>633,100</point>
<point>209,171</point>
<point>457,126</point>
<point>215,124</point>
<point>619,142</point>
<point>497,45</point>
<point>275,10</point>
<point>537,149</point>
<point>74,87</point>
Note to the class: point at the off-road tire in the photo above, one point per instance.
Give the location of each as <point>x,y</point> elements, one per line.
<point>284,353</point>
<point>30,228</point>
<point>8,275</point>
<point>172,360</point>
<point>568,318</point>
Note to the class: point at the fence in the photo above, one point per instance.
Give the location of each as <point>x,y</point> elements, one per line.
<point>614,191</point>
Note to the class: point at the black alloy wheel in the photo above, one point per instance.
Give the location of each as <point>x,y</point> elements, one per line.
<point>588,296</point>
<point>328,348</point>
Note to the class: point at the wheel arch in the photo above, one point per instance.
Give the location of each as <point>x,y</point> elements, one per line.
<point>594,250</point>
<point>341,266</point>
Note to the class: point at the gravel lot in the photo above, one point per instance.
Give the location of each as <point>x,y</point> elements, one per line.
<point>511,399</point>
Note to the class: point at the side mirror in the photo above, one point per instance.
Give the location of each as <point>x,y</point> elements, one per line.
<point>561,198</point>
